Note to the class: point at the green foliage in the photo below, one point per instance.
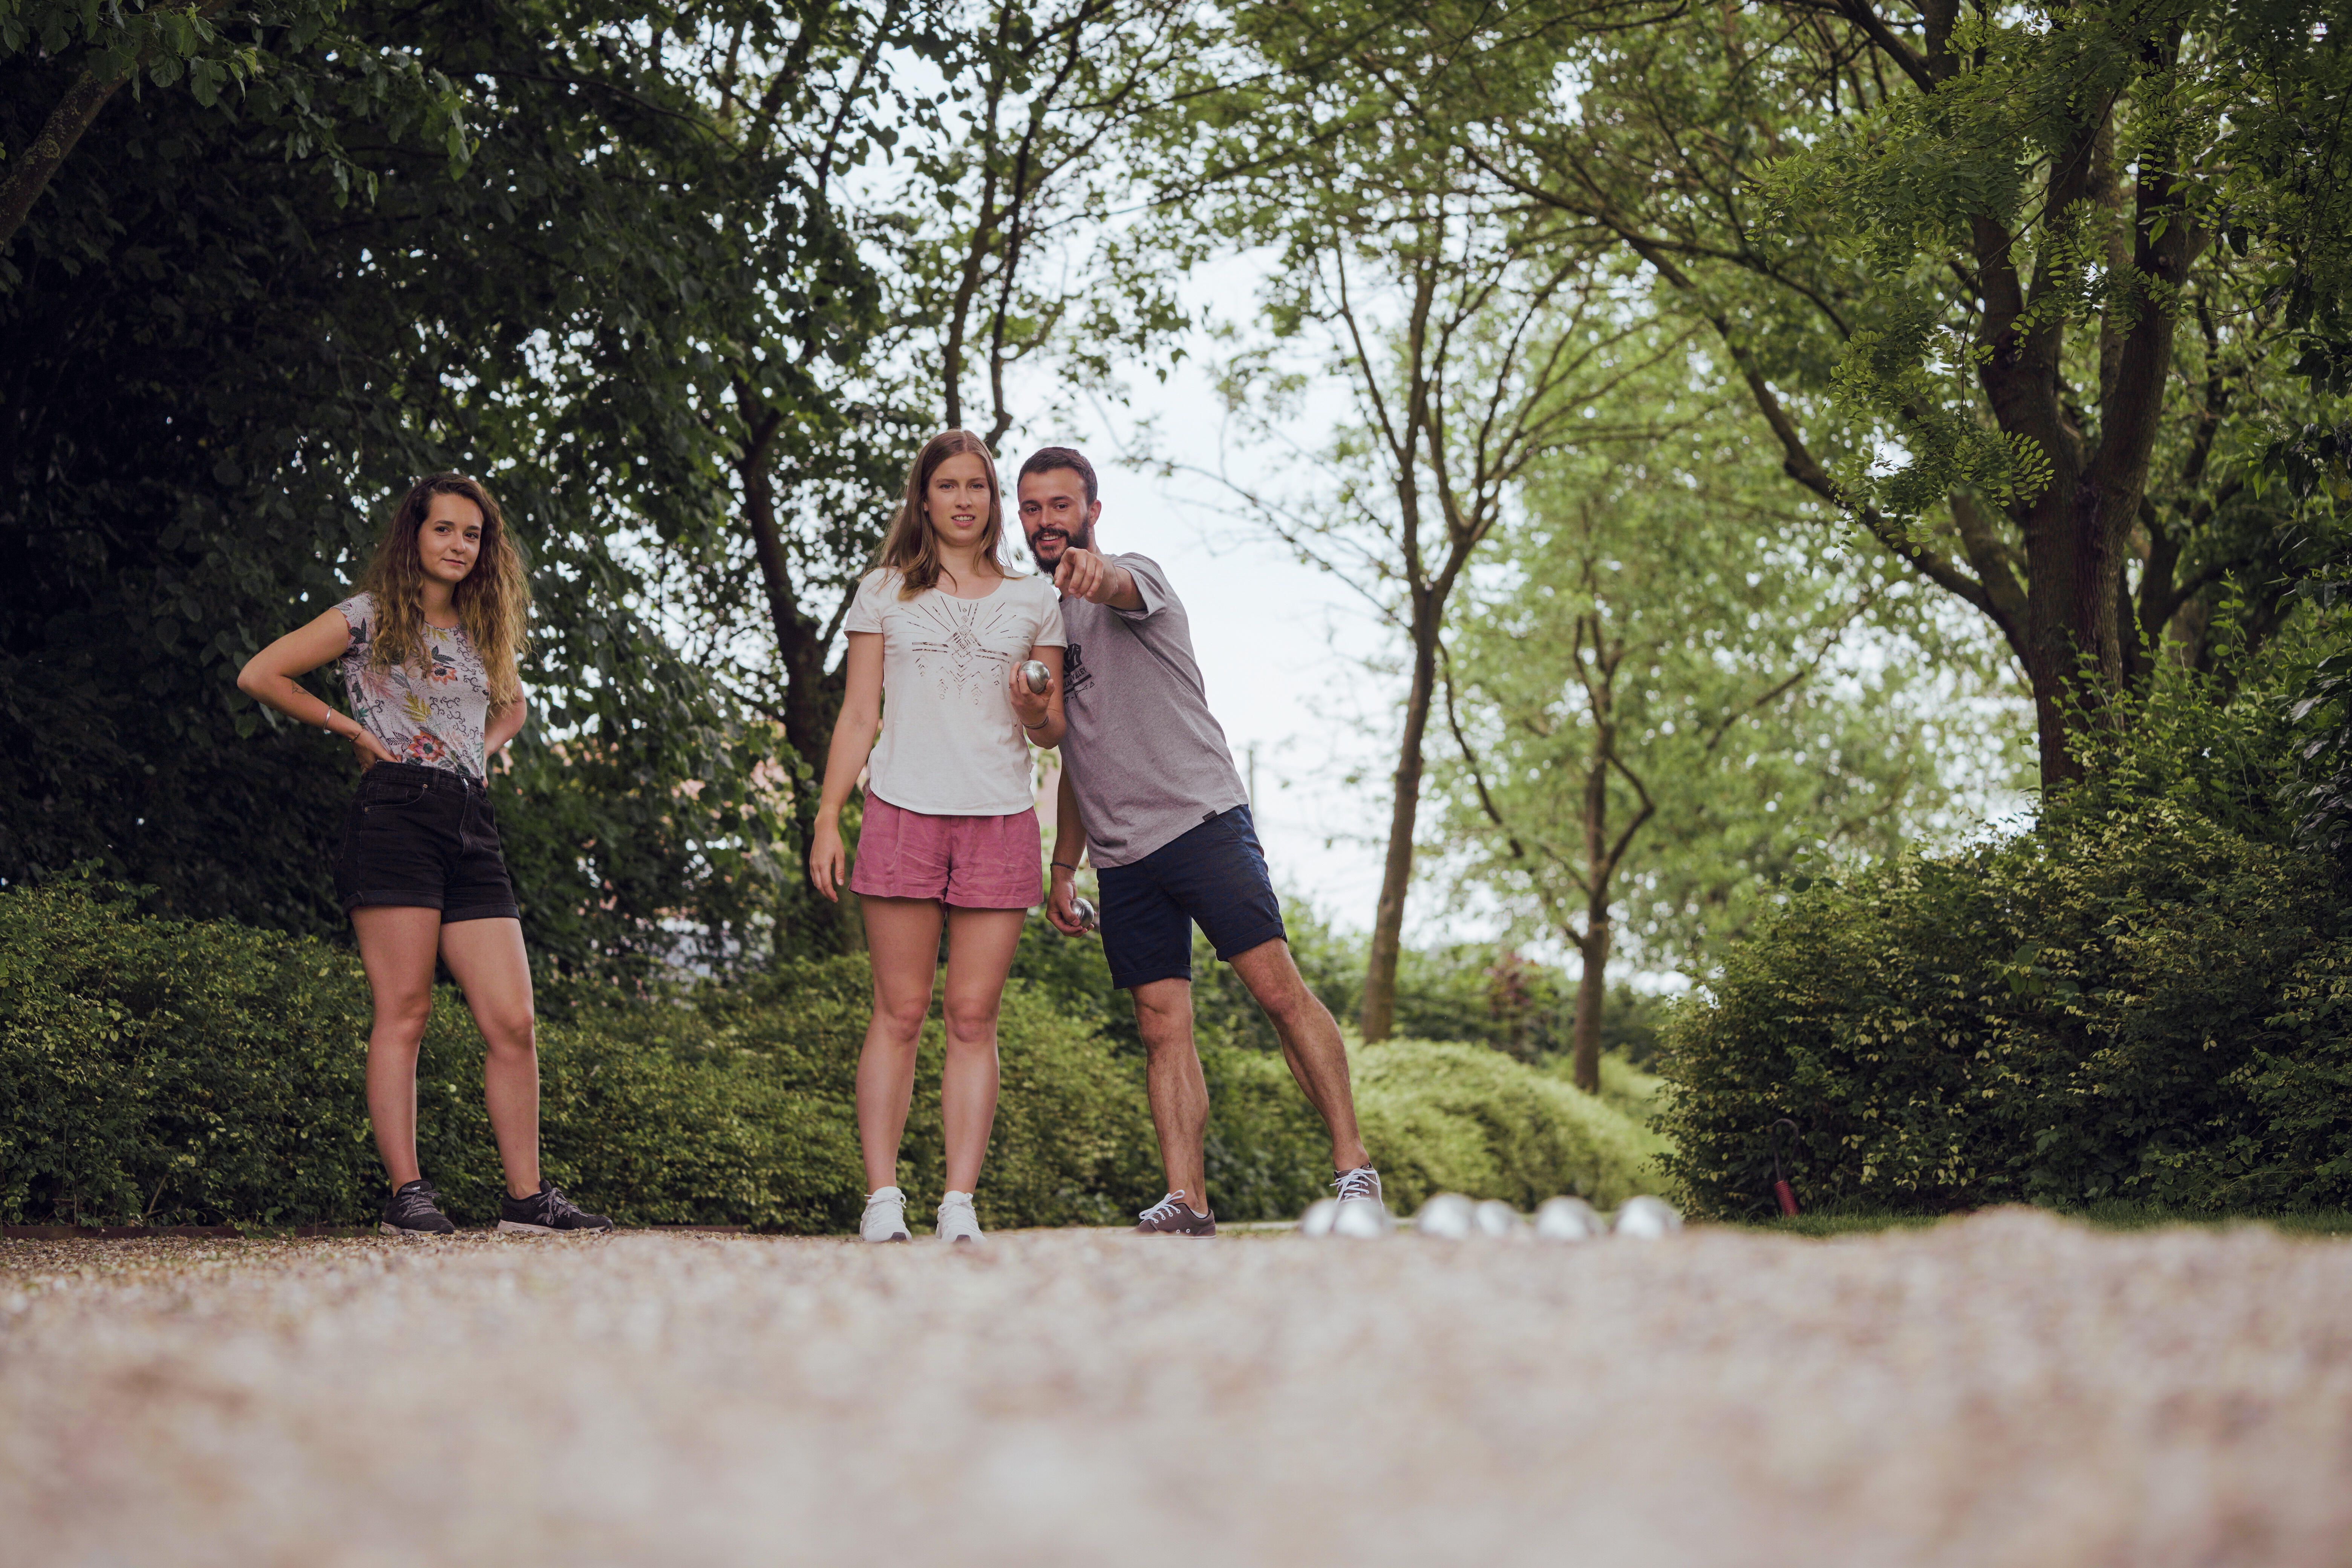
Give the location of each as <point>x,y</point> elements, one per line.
<point>167,1071</point>
<point>216,365</point>
<point>1660,707</point>
<point>1450,1117</point>
<point>1266,1153</point>
<point>2121,1004</point>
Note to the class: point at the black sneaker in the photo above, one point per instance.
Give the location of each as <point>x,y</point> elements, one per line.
<point>413,1211</point>
<point>547,1213</point>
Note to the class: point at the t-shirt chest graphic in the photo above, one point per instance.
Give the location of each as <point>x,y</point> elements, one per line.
<point>960,646</point>
<point>1075,676</point>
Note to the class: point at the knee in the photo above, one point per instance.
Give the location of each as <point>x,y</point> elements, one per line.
<point>401,1019</point>
<point>1164,1025</point>
<point>901,1018</point>
<point>513,1035</point>
<point>968,1022</point>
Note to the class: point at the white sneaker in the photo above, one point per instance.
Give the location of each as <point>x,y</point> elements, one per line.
<point>885,1216</point>
<point>957,1222</point>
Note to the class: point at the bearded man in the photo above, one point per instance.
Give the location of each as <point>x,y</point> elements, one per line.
<point>1150,794</point>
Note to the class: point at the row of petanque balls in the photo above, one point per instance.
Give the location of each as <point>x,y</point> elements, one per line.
<point>1450,1216</point>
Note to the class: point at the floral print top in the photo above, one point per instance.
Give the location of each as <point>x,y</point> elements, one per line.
<point>436,717</point>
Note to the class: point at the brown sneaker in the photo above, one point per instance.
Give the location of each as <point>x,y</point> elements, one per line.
<point>1172,1216</point>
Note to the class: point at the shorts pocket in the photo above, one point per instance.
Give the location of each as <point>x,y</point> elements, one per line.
<point>391,793</point>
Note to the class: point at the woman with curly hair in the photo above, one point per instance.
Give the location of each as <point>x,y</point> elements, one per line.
<point>428,649</point>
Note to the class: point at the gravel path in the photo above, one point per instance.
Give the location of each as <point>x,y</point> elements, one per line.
<point>2007,1389</point>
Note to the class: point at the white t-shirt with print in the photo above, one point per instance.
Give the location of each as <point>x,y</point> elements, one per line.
<point>951,744</point>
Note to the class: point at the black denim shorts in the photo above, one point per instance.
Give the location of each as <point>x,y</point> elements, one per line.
<point>1213,876</point>
<point>423,838</point>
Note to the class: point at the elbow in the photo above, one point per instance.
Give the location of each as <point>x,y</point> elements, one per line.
<point>252,679</point>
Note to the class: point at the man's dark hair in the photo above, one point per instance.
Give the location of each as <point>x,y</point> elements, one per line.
<point>1045,459</point>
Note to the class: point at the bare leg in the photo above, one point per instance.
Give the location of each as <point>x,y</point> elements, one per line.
<point>1310,1044</point>
<point>396,948</point>
<point>981,944</point>
<point>486,959</point>
<point>902,936</point>
<point>1172,1077</point>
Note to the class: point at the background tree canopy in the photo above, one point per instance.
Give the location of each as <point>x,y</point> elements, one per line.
<point>1832,380</point>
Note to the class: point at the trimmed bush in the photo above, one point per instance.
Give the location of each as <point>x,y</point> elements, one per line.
<point>1267,1154</point>
<point>169,1071</point>
<point>2140,1004</point>
<point>1447,1116</point>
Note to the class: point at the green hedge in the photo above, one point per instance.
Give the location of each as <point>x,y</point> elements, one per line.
<point>2137,1004</point>
<point>169,1072</point>
<point>1450,1116</point>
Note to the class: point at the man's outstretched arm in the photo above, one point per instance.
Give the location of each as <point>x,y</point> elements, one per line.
<point>1083,575</point>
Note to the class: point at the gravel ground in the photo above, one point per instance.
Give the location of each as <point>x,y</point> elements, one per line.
<point>2006,1389</point>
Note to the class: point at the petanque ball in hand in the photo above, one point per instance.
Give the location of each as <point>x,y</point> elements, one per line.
<point>1083,912</point>
<point>1038,676</point>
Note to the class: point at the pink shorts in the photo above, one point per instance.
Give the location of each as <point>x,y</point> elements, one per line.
<point>973,862</point>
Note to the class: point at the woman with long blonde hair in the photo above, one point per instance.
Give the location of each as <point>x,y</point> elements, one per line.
<point>937,716</point>
<point>429,649</point>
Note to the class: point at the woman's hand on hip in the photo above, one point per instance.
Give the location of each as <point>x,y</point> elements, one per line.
<point>827,858</point>
<point>369,750</point>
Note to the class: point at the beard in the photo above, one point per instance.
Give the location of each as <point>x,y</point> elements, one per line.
<point>1050,545</point>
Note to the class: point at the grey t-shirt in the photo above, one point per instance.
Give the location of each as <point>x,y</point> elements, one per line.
<point>1145,757</point>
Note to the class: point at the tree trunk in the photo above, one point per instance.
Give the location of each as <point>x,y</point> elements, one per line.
<point>1396,877</point>
<point>37,163</point>
<point>812,694</point>
<point>1591,995</point>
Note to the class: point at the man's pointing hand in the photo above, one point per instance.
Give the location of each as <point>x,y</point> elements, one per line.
<point>1083,575</point>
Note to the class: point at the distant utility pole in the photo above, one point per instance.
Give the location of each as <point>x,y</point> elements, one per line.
<point>1250,752</point>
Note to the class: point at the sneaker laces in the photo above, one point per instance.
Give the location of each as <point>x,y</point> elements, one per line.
<point>1363,1181</point>
<point>1164,1209</point>
<point>414,1199</point>
<point>555,1205</point>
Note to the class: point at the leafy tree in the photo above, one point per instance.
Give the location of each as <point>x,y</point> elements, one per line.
<point>1474,341</point>
<point>1663,706</point>
<point>277,73</point>
<point>1962,261</point>
<point>218,365</point>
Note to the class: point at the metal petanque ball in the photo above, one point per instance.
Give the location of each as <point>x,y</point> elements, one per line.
<point>1363,1219</point>
<point>1038,676</point>
<point>1497,1221</point>
<point>1317,1220</point>
<point>1083,910</point>
<point>1446,1215</point>
<point>1568,1219</point>
<point>1648,1219</point>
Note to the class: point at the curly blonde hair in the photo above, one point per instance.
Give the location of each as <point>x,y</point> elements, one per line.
<point>910,548</point>
<point>493,601</point>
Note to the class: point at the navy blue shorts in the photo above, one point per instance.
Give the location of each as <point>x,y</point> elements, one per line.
<point>1213,876</point>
